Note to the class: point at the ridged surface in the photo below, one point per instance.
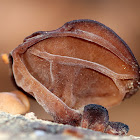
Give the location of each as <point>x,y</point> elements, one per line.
<point>82,62</point>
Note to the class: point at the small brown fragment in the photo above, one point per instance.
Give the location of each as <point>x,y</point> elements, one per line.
<point>95,117</point>
<point>14,102</point>
<point>117,128</point>
<point>73,132</point>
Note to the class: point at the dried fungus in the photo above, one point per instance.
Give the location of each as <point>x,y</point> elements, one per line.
<point>81,63</point>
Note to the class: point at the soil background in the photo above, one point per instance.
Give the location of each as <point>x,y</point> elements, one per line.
<point>20,18</point>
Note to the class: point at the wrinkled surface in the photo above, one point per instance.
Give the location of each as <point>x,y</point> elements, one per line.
<point>83,62</point>
<point>17,127</point>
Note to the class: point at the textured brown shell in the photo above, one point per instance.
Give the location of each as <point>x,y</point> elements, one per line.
<point>81,63</point>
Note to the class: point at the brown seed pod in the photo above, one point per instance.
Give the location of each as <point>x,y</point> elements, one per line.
<point>14,102</point>
<point>81,63</point>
